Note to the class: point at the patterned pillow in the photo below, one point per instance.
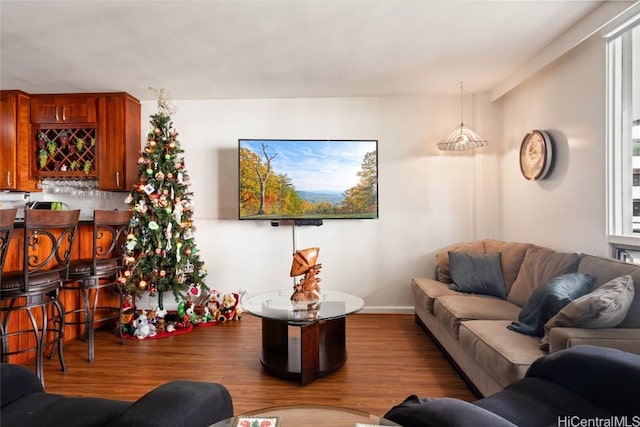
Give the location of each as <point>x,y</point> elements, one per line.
<point>605,307</point>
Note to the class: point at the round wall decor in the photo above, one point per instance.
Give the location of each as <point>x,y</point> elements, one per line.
<point>536,155</point>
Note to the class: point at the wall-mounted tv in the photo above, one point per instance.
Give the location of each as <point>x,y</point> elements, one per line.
<point>284,179</point>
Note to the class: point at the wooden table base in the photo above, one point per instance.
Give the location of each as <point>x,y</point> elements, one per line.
<point>319,350</point>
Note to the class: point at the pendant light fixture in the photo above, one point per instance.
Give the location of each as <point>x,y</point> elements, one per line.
<point>462,138</point>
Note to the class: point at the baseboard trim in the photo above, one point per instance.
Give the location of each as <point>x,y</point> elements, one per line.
<point>380,309</point>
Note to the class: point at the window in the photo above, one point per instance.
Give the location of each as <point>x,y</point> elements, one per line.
<point>623,131</point>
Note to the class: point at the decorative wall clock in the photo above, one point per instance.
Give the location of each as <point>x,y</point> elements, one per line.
<point>536,155</point>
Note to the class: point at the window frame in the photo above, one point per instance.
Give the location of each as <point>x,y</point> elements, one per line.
<point>619,118</point>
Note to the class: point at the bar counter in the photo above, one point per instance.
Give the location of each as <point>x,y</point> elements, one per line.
<point>82,248</point>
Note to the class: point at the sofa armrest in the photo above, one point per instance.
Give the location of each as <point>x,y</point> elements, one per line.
<point>622,339</point>
<point>607,376</point>
<point>179,404</point>
<point>16,382</point>
<point>442,412</point>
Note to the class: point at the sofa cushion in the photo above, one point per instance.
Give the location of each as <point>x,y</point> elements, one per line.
<point>538,267</point>
<point>426,291</point>
<point>442,412</point>
<point>46,409</point>
<point>505,354</point>
<point>605,377</point>
<point>549,299</point>
<point>512,255</point>
<point>442,258</point>
<point>450,310</point>
<point>606,269</point>
<point>477,273</point>
<point>519,401</point>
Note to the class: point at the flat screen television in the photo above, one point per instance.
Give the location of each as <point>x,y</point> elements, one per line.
<point>284,179</point>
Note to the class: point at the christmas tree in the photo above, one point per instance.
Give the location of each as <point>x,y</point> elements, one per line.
<point>161,253</point>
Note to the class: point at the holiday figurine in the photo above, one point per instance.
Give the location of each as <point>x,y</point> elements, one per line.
<point>304,262</point>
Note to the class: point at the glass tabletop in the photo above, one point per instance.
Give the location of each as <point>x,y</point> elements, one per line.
<point>307,415</point>
<point>277,305</point>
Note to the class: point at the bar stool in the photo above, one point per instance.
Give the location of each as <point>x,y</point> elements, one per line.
<point>46,251</point>
<point>7,220</point>
<point>101,271</point>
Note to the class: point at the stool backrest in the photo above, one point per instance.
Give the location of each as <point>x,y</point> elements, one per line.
<point>110,229</point>
<point>7,220</point>
<point>48,240</point>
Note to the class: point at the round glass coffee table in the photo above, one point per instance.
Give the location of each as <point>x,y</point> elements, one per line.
<point>307,415</point>
<point>320,346</point>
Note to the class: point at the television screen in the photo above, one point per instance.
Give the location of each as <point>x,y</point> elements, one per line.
<point>308,179</point>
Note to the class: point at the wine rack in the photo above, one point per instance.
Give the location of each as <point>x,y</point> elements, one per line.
<point>66,152</point>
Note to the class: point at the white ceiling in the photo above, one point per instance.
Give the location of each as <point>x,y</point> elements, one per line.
<point>257,49</point>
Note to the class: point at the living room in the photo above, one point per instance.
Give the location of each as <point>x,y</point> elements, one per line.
<point>428,198</point>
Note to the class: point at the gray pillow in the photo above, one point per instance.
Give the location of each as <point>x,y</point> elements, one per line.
<point>548,300</point>
<point>605,307</point>
<point>477,273</point>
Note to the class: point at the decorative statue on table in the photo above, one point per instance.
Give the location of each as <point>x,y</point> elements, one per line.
<point>304,262</point>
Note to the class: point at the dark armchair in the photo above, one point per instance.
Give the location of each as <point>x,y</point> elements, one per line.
<point>177,403</point>
<point>579,383</point>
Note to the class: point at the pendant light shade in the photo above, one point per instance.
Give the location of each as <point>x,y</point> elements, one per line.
<point>462,138</point>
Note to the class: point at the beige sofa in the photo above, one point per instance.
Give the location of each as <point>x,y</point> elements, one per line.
<point>472,329</point>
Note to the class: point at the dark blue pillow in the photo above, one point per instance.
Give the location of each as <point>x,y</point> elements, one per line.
<point>477,273</point>
<point>548,300</point>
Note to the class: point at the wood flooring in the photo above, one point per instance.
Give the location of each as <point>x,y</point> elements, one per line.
<point>390,357</point>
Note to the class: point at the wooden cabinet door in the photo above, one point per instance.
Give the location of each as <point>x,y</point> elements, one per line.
<point>119,142</point>
<point>15,136</point>
<point>63,109</point>
<point>8,140</point>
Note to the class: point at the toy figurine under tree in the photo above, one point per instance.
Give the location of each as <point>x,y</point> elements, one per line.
<point>161,253</point>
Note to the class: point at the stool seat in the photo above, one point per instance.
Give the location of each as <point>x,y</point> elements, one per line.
<point>84,267</point>
<point>13,282</point>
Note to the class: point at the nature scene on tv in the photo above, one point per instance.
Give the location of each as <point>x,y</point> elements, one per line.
<point>285,179</point>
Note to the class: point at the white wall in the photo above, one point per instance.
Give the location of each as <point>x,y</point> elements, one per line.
<point>427,199</point>
<point>565,211</point>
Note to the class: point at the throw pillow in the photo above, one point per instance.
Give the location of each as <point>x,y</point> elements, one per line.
<point>442,258</point>
<point>549,299</point>
<point>477,273</point>
<point>608,269</point>
<point>605,307</point>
